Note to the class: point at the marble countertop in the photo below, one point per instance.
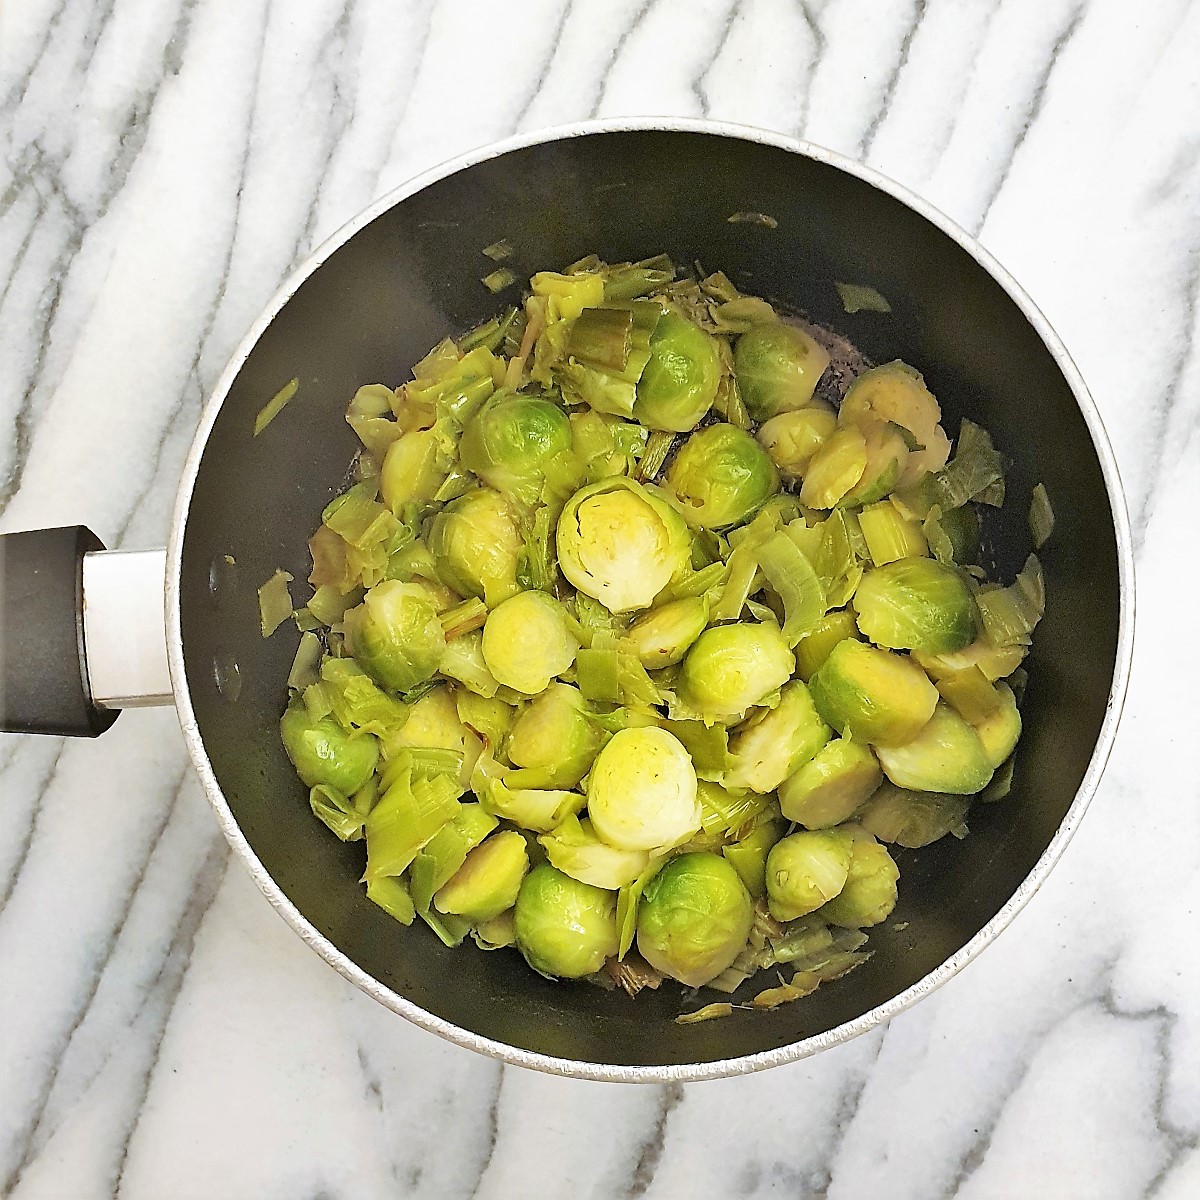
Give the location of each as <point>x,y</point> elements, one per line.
<point>165,162</point>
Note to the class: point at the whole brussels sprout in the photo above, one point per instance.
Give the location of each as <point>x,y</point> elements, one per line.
<point>731,668</point>
<point>679,383</point>
<point>778,367</point>
<point>641,794</point>
<point>720,477</point>
<point>916,604</point>
<point>869,894</point>
<point>621,543</point>
<point>662,636</point>
<point>805,870</point>
<point>510,440</point>
<point>564,928</point>
<point>527,641</point>
<point>554,737</point>
<point>694,918</point>
<point>410,473</point>
<point>775,742</point>
<point>792,438</point>
<point>323,753</point>
<point>395,635</point>
<point>476,546</point>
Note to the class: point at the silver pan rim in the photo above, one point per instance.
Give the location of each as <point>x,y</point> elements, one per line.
<point>743,1064</point>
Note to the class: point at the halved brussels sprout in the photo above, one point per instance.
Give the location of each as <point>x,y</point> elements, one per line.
<point>488,882</point>
<point>694,918</point>
<point>721,476</point>
<point>945,756</point>
<point>777,367</point>
<point>999,732</point>
<point>576,850</point>
<point>621,543</point>
<point>835,469</point>
<point>869,894</point>
<point>641,794</point>
<point>554,737</point>
<point>433,721</point>
<point>395,635</point>
<point>872,694</point>
<point>817,644</point>
<point>564,928</point>
<point>887,453</point>
<point>323,753</point>
<point>679,383</point>
<point>410,473</point>
<point>829,788</point>
<point>477,546</point>
<point>775,742</point>
<point>510,440</point>
<point>792,438</point>
<point>805,870</point>
<point>528,640</point>
<point>895,392</point>
<point>916,604</point>
<point>731,668</point>
<point>662,636</point>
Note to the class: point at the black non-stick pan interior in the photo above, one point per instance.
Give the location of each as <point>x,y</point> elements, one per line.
<point>412,276</point>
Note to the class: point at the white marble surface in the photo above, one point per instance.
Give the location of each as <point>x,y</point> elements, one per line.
<point>162,1033</point>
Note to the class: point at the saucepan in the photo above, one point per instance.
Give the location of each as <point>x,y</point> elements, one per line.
<point>83,632</point>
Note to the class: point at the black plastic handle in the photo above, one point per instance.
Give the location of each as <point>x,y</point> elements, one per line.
<point>43,663</point>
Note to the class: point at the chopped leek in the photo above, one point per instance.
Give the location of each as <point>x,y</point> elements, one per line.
<point>1041,516</point>
<point>861,297</point>
<point>497,281</point>
<point>275,405</point>
<point>274,602</point>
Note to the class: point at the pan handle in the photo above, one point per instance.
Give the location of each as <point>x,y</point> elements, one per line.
<point>81,632</point>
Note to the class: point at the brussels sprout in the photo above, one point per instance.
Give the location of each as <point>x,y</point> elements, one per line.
<point>835,469</point>
<point>527,641</point>
<point>641,794</point>
<point>916,604</point>
<point>323,753</point>
<point>748,857</point>
<point>438,861</point>
<point>694,918</point>
<point>895,392</point>
<point>999,732</point>
<point>887,452</point>
<point>721,476</point>
<point>488,882</point>
<point>662,636</point>
<point>870,891</point>
<point>554,737</point>
<point>511,439</point>
<point>679,383</point>
<point>621,543</point>
<point>913,819</point>
<point>829,788</point>
<point>730,668</point>
<point>463,661</point>
<point>775,742</point>
<point>395,635</point>
<point>874,695</point>
<point>792,438</point>
<point>490,718</point>
<point>945,756</point>
<point>410,473</point>
<point>564,928</point>
<point>434,721</point>
<point>476,545</point>
<point>817,644</point>
<point>805,870</point>
<point>576,850</point>
<point>778,367</point>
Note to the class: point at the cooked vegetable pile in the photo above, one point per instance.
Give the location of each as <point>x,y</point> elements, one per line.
<point>630,652</point>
